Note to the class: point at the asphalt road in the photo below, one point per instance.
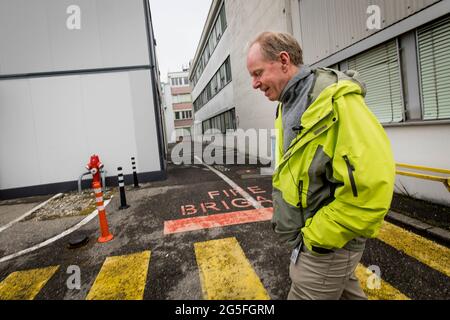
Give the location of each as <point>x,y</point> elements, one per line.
<point>193,191</point>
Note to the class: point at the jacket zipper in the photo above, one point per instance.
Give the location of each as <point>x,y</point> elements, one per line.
<point>351,168</point>
<point>300,205</point>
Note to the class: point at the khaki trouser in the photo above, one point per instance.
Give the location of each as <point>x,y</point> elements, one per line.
<point>328,276</point>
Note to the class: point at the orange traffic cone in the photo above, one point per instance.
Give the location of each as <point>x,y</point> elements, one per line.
<point>106,235</point>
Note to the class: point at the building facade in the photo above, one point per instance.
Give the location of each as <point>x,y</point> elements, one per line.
<point>400,48</point>
<point>178,106</point>
<point>74,83</point>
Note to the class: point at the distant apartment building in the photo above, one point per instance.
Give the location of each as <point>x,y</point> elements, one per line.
<point>400,48</point>
<point>178,106</point>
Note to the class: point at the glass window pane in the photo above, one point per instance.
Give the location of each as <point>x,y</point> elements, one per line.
<point>228,70</point>
<point>223,18</point>
<point>218,29</point>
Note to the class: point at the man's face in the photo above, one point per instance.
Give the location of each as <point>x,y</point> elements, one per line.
<point>268,76</point>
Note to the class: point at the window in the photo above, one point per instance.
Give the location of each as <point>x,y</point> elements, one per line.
<point>379,68</point>
<point>434,69</point>
<point>187,114</point>
<point>181,98</point>
<point>216,33</point>
<point>218,29</point>
<point>223,76</point>
<point>223,18</point>
<point>211,47</point>
<point>220,79</point>
<point>214,87</point>
<point>186,81</point>
<point>183,115</point>
<point>228,69</point>
<point>223,122</point>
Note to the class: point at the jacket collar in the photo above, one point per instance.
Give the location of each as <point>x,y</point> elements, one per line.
<point>303,72</point>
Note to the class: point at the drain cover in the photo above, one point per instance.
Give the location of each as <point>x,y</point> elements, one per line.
<point>78,241</point>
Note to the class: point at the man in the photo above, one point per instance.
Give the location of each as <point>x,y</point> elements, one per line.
<point>334,178</point>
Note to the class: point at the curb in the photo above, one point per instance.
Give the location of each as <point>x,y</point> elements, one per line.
<point>422,228</point>
<point>30,212</point>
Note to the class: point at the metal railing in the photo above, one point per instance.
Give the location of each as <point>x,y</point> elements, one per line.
<point>102,174</point>
<point>444,180</point>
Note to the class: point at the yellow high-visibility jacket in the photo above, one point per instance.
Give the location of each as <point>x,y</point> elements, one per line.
<point>340,163</point>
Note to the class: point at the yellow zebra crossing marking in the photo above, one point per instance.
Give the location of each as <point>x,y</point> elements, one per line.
<point>426,251</point>
<point>385,292</point>
<point>225,272</point>
<point>25,285</point>
<point>121,278</point>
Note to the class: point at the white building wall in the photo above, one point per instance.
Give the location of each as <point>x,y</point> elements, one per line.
<point>51,126</point>
<point>222,102</point>
<point>51,123</point>
<point>218,57</point>
<point>424,145</point>
<point>169,114</point>
<point>246,20</point>
<point>34,36</point>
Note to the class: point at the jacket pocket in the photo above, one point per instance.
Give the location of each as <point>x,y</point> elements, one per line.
<point>351,169</point>
<point>287,220</point>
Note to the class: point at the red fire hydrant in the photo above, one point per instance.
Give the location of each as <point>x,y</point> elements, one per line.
<point>94,166</point>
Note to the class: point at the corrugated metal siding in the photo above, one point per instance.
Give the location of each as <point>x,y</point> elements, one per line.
<point>434,61</point>
<point>329,26</point>
<point>380,70</point>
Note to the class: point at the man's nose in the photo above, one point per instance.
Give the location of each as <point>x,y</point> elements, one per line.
<point>256,84</point>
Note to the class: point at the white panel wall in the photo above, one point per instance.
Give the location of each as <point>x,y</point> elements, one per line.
<point>426,146</point>
<point>34,37</point>
<point>58,126</point>
<point>18,142</point>
<point>49,127</point>
<point>24,37</point>
<point>169,114</point>
<point>145,133</point>
<point>109,118</point>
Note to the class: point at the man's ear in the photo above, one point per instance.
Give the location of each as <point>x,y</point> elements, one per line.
<point>285,59</point>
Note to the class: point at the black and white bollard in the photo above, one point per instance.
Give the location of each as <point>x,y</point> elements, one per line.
<point>123,199</point>
<point>135,177</point>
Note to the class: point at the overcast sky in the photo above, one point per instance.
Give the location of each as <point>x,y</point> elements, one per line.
<point>178,25</point>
